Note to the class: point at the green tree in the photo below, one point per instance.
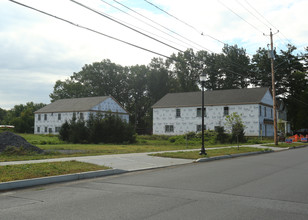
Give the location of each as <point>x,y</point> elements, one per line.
<point>186,70</point>
<point>3,113</point>
<point>210,65</point>
<point>234,67</point>
<point>261,68</point>
<point>98,79</point>
<point>22,117</point>
<point>139,101</point>
<point>235,123</point>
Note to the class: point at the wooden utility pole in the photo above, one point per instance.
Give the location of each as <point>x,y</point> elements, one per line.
<point>273,88</point>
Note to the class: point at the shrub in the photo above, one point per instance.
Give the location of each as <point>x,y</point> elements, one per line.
<point>110,129</point>
<point>64,131</point>
<point>190,135</point>
<point>221,136</point>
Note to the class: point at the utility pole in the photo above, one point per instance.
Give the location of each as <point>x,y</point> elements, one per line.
<point>273,87</point>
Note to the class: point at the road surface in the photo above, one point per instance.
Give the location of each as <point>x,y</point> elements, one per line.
<point>266,186</point>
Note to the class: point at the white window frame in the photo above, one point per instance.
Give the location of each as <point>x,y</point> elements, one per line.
<point>226,110</point>
<point>178,113</point>
<point>199,112</point>
<point>199,128</point>
<point>169,128</point>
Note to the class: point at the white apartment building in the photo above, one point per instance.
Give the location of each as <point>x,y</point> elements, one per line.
<point>179,113</point>
<point>49,119</point>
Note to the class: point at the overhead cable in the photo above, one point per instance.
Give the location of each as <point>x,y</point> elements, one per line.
<point>148,25</point>
<point>108,17</point>
<point>266,20</point>
<point>89,29</point>
<point>240,16</point>
<point>157,24</point>
<point>189,25</point>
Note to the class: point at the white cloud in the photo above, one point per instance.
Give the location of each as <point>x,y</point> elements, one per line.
<point>36,50</point>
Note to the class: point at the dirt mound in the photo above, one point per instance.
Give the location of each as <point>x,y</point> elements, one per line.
<point>10,139</point>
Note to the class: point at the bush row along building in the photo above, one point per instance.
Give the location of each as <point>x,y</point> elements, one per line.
<point>175,113</point>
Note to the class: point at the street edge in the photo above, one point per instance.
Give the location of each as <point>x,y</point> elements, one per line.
<point>301,146</point>
<point>232,156</point>
<point>18,184</point>
<point>57,179</point>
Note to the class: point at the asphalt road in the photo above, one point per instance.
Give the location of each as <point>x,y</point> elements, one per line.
<point>267,186</point>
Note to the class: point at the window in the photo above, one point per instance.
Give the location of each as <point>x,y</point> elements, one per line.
<point>74,115</point>
<point>260,111</point>
<point>59,116</point>
<point>57,129</point>
<point>46,129</point>
<point>264,111</point>
<point>38,129</point>
<point>271,113</point>
<point>169,128</point>
<point>81,116</point>
<point>199,128</point>
<point>39,117</point>
<point>199,112</point>
<point>178,113</point>
<point>50,130</point>
<point>226,111</point>
<point>45,117</point>
<point>219,128</point>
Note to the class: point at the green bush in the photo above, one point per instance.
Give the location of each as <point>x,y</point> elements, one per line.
<point>110,129</point>
<point>154,137</point>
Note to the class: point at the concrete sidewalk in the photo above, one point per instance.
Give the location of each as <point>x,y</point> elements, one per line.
<point>120,163</point>
<point>128,162</point>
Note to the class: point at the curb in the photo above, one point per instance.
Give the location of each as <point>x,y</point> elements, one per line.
<point>57,179</point>
<point>231,156</point>
<point>301,146</point>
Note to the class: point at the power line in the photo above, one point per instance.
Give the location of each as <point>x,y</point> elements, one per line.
<point>236,64</point>
<point>138,27</point>
<point>108,17</point>
<point>111,37</point>
<point>182,22</point>
<point>86,28</point>
<point>266,20</point>
<point>189,25</point>
<point>252,13</point>
<point>150,26</point>
<point>89,29</point>
<point>158,25</point>
<point>240,16</point>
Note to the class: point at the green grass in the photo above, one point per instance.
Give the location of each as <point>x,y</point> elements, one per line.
<point>145,143</point>
<point>210,153</point>
<point>29,171</point>
<point>96,149</point>
<point>286,145</point>
<point>41,139</point>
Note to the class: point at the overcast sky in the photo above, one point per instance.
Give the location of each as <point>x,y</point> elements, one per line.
<point>37,50</point>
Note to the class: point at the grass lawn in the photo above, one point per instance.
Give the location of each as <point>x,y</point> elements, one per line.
<point>286,145</point>
<point>91,149</point>
<point>145,143</point>
<point>29,171</point>
<point>210,153</point>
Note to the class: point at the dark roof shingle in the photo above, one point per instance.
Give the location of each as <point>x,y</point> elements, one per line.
<point>73,105</point>
<point>214,97</point>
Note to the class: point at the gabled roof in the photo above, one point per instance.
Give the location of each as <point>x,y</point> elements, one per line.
<point>212,98</point>
<point>73,105</point>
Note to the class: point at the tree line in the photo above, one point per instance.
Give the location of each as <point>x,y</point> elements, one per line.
<point>138,87</point>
